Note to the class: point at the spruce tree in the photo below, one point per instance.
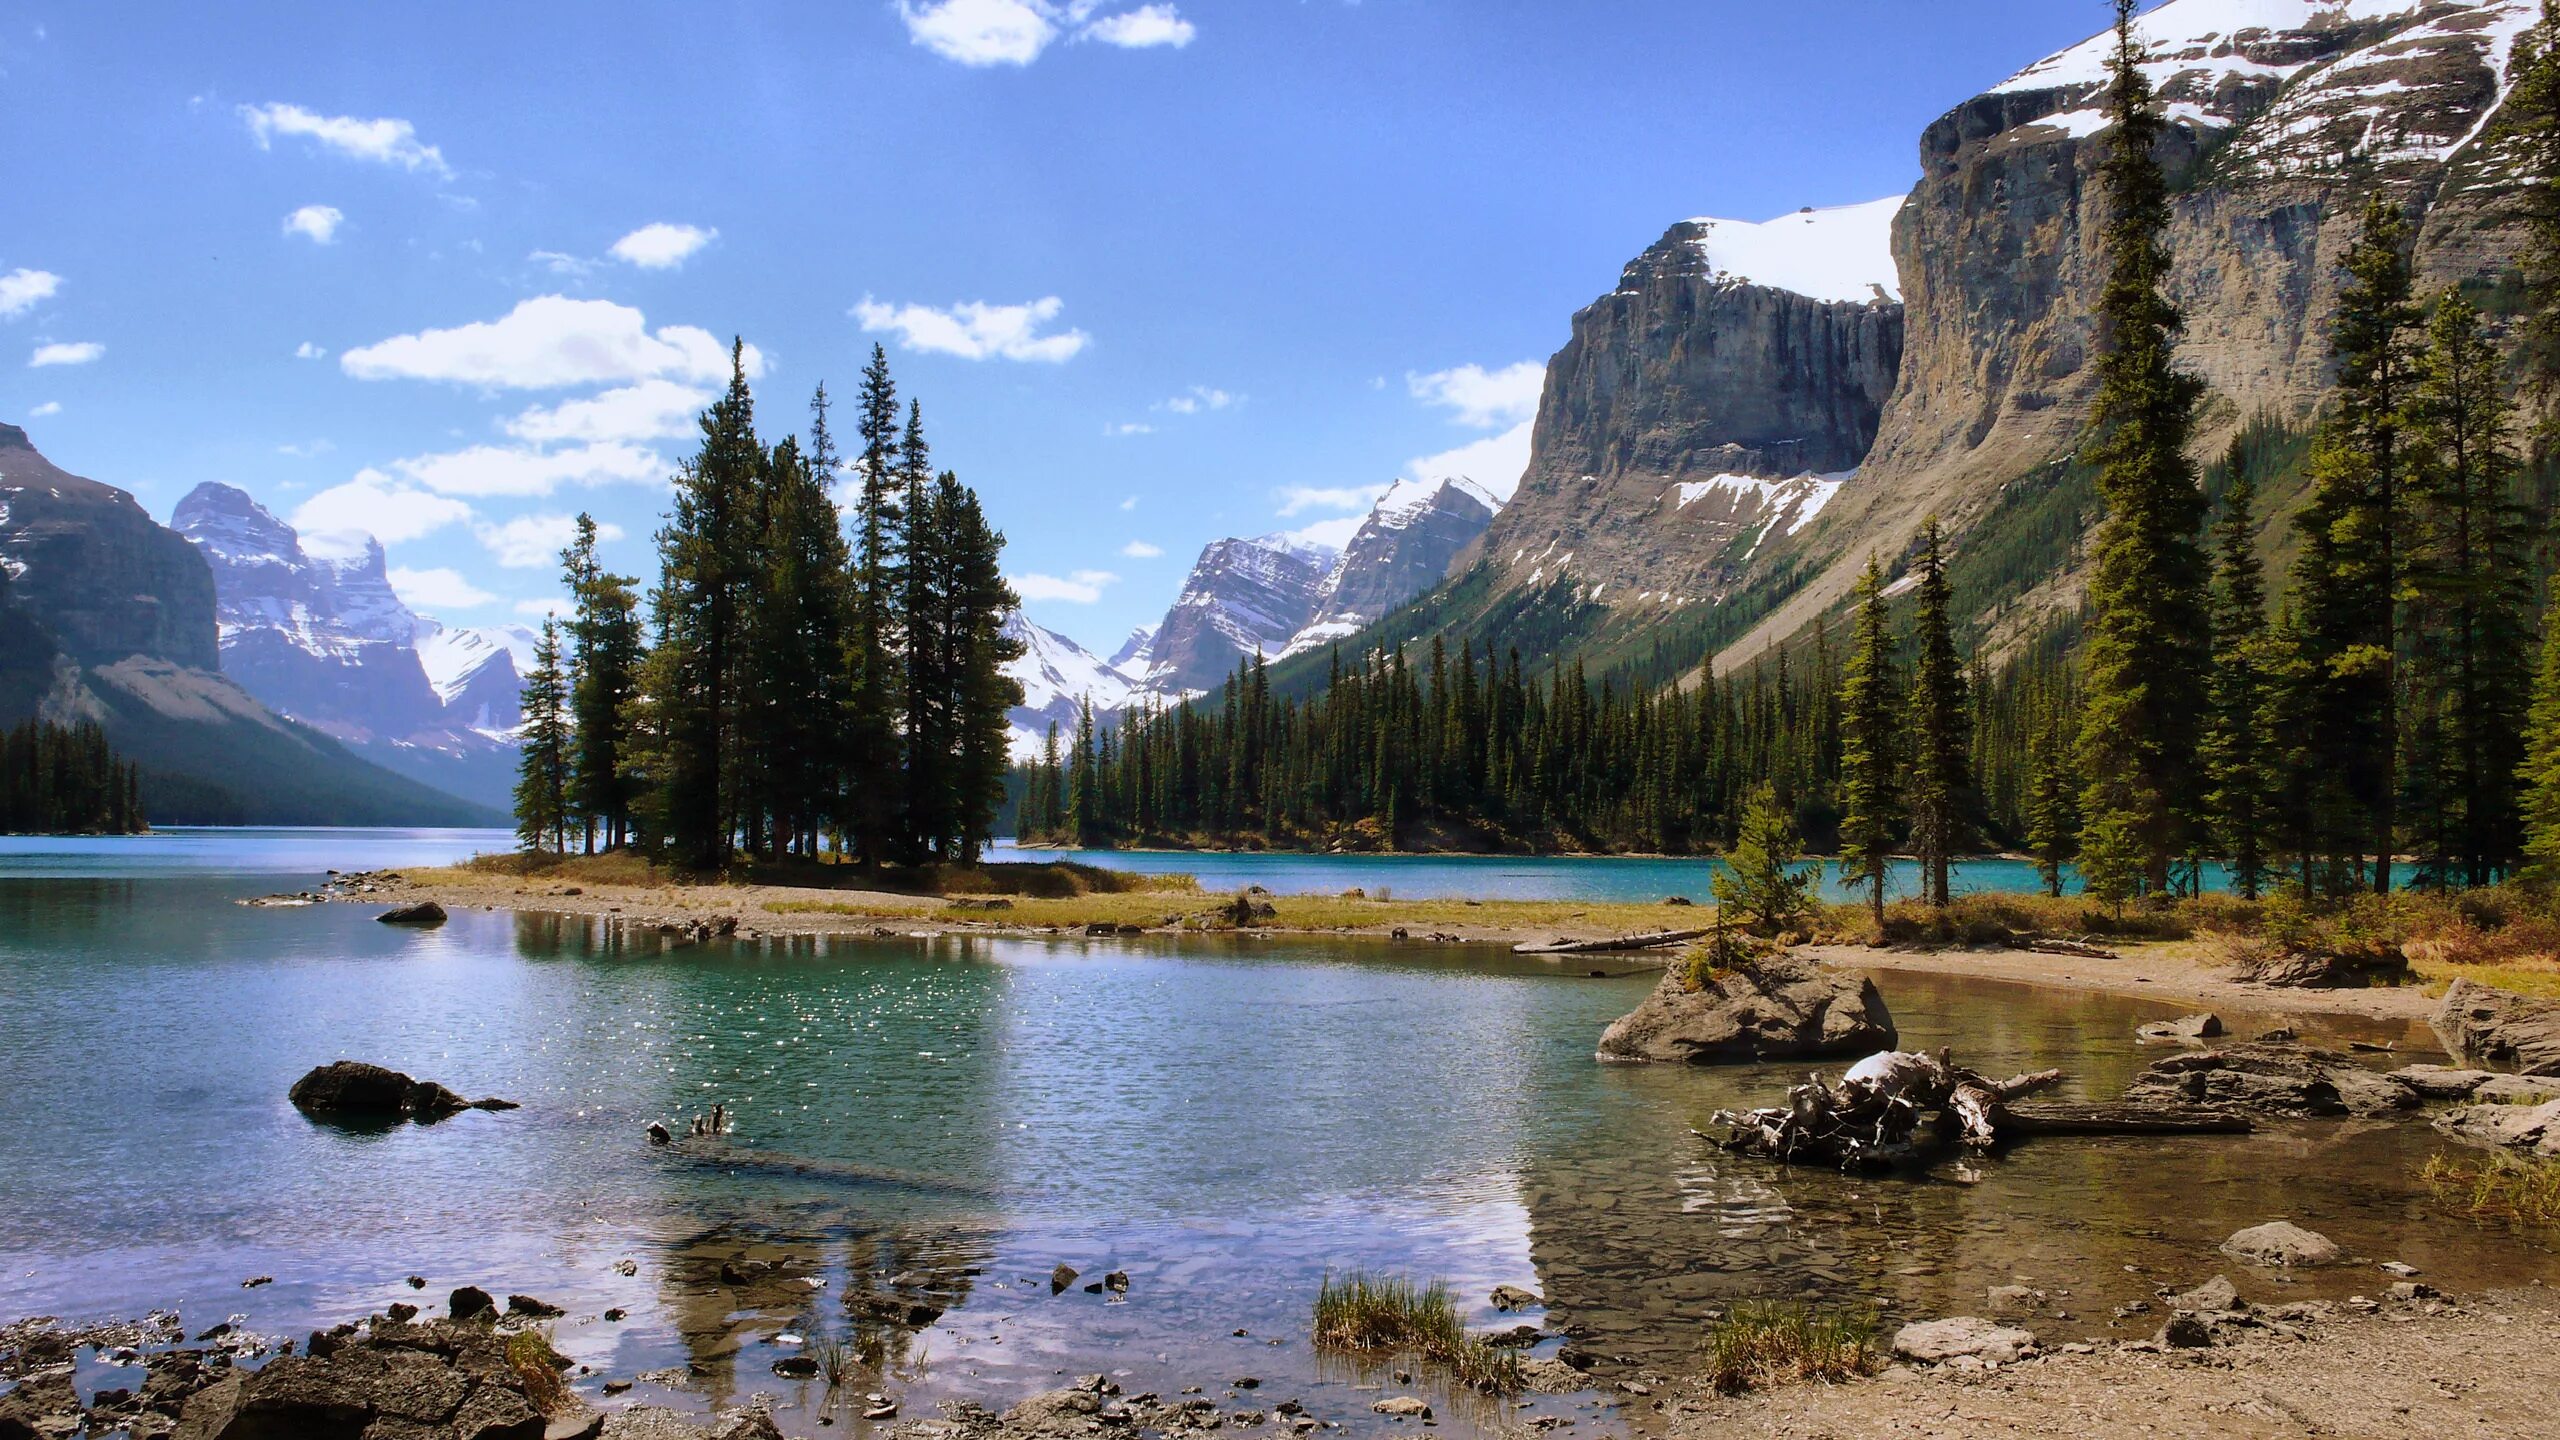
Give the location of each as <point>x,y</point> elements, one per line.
<point>928,823</point>
<point>875,779</point>
<point>2237,759</point>
<point>801,631</point>
<point>980,693</point>
<point>2539,775</point>
<point>706,554</point>
<point>606,634</point>
<point>542,768</point>
<point>1941,786</point>
<point>2052,797</point>
<point>1871,711</point>
<point>2147,652</point>
<point>1759,881</point>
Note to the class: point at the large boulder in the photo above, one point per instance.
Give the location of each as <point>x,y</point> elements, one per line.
<point>353,1090</point>
<point>2272,1077</point>
<point>1775,1007</point>
<point>2530,1129</point>
<point>2281,1242</point>
<point>2481,1023</point>
<point>2338,968</point>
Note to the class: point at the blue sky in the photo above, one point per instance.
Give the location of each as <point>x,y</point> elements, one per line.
<point>1159,273</point>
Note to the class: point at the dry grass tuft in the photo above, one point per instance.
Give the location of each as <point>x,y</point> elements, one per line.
<point>2514,1188</point>
<point>1772,1342</point>
<point>1362,1312</point>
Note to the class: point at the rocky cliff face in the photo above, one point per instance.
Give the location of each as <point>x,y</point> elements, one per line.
<point>2283,115</point>
<point>1403,547</point>
<point>107,580</point>
<point>1243,597</point>
<point>1732,360</point>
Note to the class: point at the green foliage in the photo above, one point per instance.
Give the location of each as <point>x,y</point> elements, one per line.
<point>2518,1188</point>
<point>2236,755</point>
<point>542,769</point>
<point>1871,744</point>
<point>604,669</point>
<point>1777,1342</point>
<point>1369,1313</point>
<point>1940,790</point>
<point>2527,126</point>
<point>1760,882</point>
<point>66,780</point>
<point>2539,775</point>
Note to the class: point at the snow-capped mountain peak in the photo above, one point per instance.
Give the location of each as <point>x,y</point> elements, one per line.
<point>1844,253</point>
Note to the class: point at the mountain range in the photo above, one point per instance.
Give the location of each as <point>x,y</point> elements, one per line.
<point>107,615</point>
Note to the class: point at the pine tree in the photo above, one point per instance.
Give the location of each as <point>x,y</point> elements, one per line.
<point>2466,593</point>
<point>1941,788</point>
<point>2528,126</point>
<point>875,776</point>
<point>800,631</point>
<point>2052,799</point>
<point>980,692</point>
<point>605,678</point>
<point>2236,757</point>
<point>542,771</point>
<point>1759,880</point>
<point>2147,648</point>
<point>924,626</point>
<point>1871,710</point>
<point>706,552</point>
<point>2539,775</point>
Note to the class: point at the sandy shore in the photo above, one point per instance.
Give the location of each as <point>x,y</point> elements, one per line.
<point>2480,1367</point>
<point>2170,972</point>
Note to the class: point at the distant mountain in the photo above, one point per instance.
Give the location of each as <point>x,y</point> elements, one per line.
<point>327,641</point>
<point>109,616</point>
<point>1243,597</point>
<point>1058,676</point>
<point>1403,548</point>
<point>1137,652</point>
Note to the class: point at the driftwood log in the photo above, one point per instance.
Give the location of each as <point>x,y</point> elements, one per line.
<point>1898,1107</point>
<point>1653,940</point>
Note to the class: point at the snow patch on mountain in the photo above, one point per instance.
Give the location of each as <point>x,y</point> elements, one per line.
<point>1844,253</point>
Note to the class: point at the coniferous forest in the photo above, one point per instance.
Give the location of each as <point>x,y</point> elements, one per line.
<point>66,780</point>
<point>2387,712</point>
<point>800,681</point>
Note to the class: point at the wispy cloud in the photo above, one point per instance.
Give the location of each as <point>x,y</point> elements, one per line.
<point>1129,427</point>
<point>1494,462</point>
<point>974,330</point>
<point>337,520</point>
<point>1016,32</point>
<point>22,290</point>
<point>492,470</point>
<point>650,410</point>
<point>77,352</point>
<point>308,351</point>
<point>1298,499</point>
<point>661,246</point>
<point>1485,399</point>
<point>530,542</point>
<point>1141,550</point>
<point>50,407</point>
<point>317,223</point>
<point>382,141</point>
<point>438,589</point>
<point>1084,587</point>
<point>551,342</point>
<point>1199,398</point>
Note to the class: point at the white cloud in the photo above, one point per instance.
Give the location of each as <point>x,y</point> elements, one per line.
<point>485,470</point>
<point>1486,399</point>
<point>1142,28</point>
<point>650,410</point>
<point>532,541</point>
<point>974,330</point>
<point>548,342</point>
<point>1141,550</point>
<point>981,32</point>
<point>1331,534</point>
<point>1084,587</point>
<point>545,609</point>
<point>22,290</point>
<point>1494,462</point>
<point>1199,398</point>
<point>662,246</point>
<point>336,521</point>
<point>74,353</point>
<point>561,263</point>
<point>308,351</point>
<point>438,589</point>
<point>385,142</point>
<point>50,407</point>
<point>1297,499</point>
<point>305,450</point>
<point>319,222</point>
<point>1129,427</point>
<point>1129,504</point>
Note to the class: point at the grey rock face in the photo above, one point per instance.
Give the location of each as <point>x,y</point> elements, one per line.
<point>1765,1009</point>
<point>90,565</point>
<point>2482,1023</point>
<point>1934,1342</point>
<point>1243,597</point>
<point>2273,1078</point>
<point>2532,1129</point>
<point>1403,548</point>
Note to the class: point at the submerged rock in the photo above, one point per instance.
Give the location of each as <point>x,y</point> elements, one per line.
<point>1934,1342</point>
<point>2185,1030</point>
<point>425,912</point>
<point>2273,1077</point>
<point>2281,1242</point>
<point>354,1090</point>
<point>2483,1024</point>
<point>1777,1007</point>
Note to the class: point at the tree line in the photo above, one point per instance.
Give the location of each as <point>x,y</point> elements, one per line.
<point>805,682</point>
<point>2390,705</point>
<point>67,780</point>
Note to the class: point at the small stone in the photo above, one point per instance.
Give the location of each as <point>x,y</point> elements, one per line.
<point>1061,1278</point>
<point>615,1313</point>
<point>2395,1267</point>
<point>2217,1293</point>
<point>626,1268</point>
<point>417,1282</point>
<point>2281,1242</point>
<point>1117,1282</point>
<point>254,1281</point>
<point>795,1367</point>
<point>616,1387</point>
<point>401,1311</point>
<point>1964,1336</point>
<point>469,1303</point>
<point>532,1309</point>
<point>886,1410</point>
<point>1246,1382</point>
<point>1402,1407</point>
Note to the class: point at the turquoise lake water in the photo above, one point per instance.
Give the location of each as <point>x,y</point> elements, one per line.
<point>1225,1119</point>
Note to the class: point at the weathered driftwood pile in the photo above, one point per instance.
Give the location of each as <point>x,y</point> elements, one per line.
<point>1898,1107</point>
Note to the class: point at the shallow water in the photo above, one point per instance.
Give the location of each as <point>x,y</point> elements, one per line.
<point>1225,1119</point>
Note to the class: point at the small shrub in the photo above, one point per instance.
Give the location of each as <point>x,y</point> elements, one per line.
<point>2503,1187</point>
<point>1771,1342</point>
<point>1363,1312</point>
<point>1726,949</point>
<point>538,1365</point>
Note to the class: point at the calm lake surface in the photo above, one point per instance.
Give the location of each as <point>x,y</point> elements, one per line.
<point>943,1122</point>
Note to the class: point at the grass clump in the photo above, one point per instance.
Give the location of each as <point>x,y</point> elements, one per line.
<point>836,1362</point>
<point>1371,1313</point>
<point>1775,1342</point>
<point>538,1365</point>
<point>2502,1187</point>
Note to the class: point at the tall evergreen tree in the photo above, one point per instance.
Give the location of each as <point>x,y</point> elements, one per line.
<point>542,769</point>
<point>980,692</point>
<point>2528,124</point>
<point>2539,775</point>
<point>801,631</point>
<point>2052,799</point>
<point>605,677</point>
<point>1871,712</point>
<point>2147,646</point>
<point>1941,788</point>
<point>2237,759</point>
<point>874,765</point>
<point>925,630</point>
<point>707,560</point>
